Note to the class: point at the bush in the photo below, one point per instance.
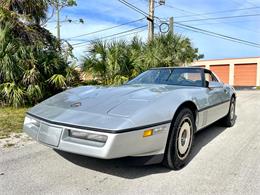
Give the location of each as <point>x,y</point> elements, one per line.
<point>118,61</point>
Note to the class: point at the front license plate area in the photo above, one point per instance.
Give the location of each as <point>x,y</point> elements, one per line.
<point>49,135</point>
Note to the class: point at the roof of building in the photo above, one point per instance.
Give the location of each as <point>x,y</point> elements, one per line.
<point>228,59</point>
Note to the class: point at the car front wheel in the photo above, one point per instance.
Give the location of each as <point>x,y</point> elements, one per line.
<point>180,140</point>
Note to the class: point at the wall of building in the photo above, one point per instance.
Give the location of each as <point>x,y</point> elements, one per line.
<point>241,71</point>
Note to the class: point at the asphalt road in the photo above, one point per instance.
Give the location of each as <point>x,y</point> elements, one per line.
<point>224,161</point>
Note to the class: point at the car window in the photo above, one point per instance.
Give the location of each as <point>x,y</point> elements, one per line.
<point>210,77</point>
<point>215,78</point>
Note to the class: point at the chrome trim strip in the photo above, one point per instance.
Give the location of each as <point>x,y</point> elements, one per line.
<point>100,130</point>
<point>208,107</point>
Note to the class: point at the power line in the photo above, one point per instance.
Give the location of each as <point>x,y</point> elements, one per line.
<point>220,18</point>
<point>212,35</point>
<point>200,16</point>
<point>218,35</point>
<point>184,11</point>
<point>241,41</point>
<point>150,16</point>
<point>134,7</point>
<point>110,35</point>
<point>202,31</point>
<point>246,1</point>
<point>116,37</point>
<point>231,22</point>
<point>179,9</point>
<point>180,25</point>
<point>128,5</point>
<point>218,12</point>
<point>105,29</point>
<point>226,22</point>
<point>251,3</point>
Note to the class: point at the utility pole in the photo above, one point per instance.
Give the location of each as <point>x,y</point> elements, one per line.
<point>57,7</point>
<point>151,20</point>
<point>171,28</point>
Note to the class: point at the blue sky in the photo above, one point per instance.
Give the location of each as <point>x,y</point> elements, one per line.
<point>100,14</point>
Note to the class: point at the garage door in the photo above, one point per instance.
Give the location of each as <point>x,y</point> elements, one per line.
<point>222,71</point>
<point>245,75</point>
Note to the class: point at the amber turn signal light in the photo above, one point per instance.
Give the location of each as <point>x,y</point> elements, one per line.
<point>148,133</point>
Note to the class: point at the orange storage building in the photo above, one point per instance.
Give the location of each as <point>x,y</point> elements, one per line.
<point>240,72</point>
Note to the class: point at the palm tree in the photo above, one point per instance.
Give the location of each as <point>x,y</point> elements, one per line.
<point>34,10</point>
<point>96,61</point>
<point>25,17</point>
<point>170,50</point>
<point>31,66</point>
<point>117,61</point>
<point>111,62</point>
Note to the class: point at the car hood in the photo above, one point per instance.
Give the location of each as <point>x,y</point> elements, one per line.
<point>104,100</point>
<point>91,105</point>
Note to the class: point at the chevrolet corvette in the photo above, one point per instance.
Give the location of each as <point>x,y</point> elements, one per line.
<point>153,116</point>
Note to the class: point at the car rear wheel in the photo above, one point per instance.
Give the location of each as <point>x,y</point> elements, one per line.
<point>230,119</point>
<point>180,140</point>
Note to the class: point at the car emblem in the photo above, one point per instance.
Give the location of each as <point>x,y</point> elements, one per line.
<point>77,104</point>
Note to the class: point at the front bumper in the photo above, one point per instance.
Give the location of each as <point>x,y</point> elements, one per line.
<point>117,144</point>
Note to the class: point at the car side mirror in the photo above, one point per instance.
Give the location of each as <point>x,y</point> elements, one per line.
<point>214,84</point>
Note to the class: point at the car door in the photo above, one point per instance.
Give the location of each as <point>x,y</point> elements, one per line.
<point>225,91</point>
<point>217,98</point>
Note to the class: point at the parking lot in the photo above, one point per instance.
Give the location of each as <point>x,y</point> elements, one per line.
<point>224,161</point>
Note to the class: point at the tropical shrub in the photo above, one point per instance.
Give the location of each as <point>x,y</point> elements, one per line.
<point>110,62</point>
<point>33,63</point>
<point>118,61</point>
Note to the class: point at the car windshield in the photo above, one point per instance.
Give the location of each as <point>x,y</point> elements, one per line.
<point>170,76</point>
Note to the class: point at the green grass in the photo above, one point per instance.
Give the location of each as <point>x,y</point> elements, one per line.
<point>11,120</point>
<point>258,88</point>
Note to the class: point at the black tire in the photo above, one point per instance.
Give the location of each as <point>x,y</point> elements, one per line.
<point>174,157</point>
<point>230,119</point>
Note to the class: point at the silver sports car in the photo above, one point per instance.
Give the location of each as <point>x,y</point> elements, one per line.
<point>154,116</point>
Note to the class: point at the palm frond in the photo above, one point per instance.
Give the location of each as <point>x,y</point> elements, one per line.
<point>12,93</point>
<point>58,81</point>
<point>34,93</point>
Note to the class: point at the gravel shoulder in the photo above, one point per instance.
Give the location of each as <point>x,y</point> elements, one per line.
<point>15,140</point>
<point>224,161</point>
